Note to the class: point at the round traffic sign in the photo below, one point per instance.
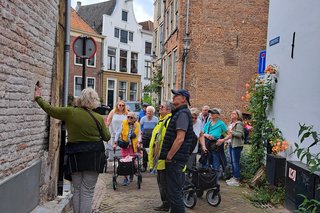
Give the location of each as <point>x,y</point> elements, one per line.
<point>90,47</point>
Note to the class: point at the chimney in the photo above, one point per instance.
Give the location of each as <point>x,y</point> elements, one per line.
<point>78,5</point>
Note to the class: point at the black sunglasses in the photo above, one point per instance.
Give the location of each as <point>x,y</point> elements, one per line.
<point>130,117</point>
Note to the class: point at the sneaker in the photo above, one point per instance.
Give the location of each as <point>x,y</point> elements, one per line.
<point>230,180</point>
<point>233,183</point>
<point>125,182</point>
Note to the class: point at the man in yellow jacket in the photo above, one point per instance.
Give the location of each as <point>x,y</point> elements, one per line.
<point>154,152</point>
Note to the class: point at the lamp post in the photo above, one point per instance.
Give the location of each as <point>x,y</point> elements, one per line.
<point>186,48</point>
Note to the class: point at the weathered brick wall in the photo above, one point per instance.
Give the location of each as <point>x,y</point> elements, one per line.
<point>226,39</point>
<point>27,54</point>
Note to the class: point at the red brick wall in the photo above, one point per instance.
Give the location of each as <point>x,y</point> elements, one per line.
<point>90,71</point>
<point>226,39</point>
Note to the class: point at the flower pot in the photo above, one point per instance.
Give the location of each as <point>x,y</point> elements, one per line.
<point>276,167</point>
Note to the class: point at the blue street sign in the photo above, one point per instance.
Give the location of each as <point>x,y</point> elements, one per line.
<point>274,41</point>
<point>262,62</point>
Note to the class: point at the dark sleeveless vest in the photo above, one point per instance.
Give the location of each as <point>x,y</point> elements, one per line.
<point>182,155</point>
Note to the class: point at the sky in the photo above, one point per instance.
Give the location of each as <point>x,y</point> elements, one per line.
<point>143,9</point>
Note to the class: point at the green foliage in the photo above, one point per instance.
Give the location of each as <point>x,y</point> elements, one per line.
<point>268,194</point>
<point>261,93</point>
<point>147,99</point>
<point>248,164</point>
<point>155,83</point>
<point>312,161</point>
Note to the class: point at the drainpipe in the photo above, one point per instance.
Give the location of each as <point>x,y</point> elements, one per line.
<point>185,50</point>
<point>65,92</point>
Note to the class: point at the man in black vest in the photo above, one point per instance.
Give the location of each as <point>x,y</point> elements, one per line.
<point>175,148</point>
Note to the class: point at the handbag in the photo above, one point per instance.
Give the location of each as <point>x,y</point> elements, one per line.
<point>211,145</point>
<point>123,144</point>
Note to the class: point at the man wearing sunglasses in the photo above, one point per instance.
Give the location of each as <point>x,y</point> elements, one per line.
<point>175,148</point>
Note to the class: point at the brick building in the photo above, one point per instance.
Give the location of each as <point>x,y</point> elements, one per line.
<point>224,38</point>
<point>32,42</point>
<point>78,27</point>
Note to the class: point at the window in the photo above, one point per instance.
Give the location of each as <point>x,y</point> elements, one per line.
<point>92,61</point>
<point>133,91</point>
<point>161,37</point>
<point>134,62</point>
<point>111,58</point>
<point>122,90</point>
<point>123,61</point>
<point>77,85</point>
<point>147,48</point>
<point>90,82</point>
<point>171,17</point>
<point>159,8</point>
<point>130,36</point>
<point>176,13</point>
<point>111,93</point>
<point>124,36</point>
<point>78,60</point>
<point>124,15</point>
<point>147,68</point>
<point>155,40</point>
<point>116,32</point>
<point>174,69</point>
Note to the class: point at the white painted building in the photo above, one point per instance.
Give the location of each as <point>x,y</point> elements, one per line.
<point>127,49</point>
<point>296,25</point>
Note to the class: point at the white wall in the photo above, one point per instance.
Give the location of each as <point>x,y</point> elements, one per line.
<point>146,37</point>
<point>297,97</point>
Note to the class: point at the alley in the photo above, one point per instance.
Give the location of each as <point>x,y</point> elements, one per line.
<point>130,199</point>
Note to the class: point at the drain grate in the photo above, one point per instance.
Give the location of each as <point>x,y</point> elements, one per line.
<point>267,207</point>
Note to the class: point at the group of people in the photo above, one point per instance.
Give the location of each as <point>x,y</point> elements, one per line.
<point>167,140</point>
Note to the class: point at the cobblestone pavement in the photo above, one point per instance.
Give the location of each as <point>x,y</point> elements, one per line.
<point>131,199</point>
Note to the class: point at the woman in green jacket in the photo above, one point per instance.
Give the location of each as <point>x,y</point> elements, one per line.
<point>85,148</point>
<point>154,151</point>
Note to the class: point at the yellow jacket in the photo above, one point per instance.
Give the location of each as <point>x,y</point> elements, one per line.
<point>125,132</point>
<point>156,142</point>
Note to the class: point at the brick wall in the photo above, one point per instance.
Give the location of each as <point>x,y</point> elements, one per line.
<point>27,40</point>
<point>226,39</point>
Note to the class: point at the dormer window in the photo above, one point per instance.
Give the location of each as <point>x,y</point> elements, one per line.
<point>124,15</point>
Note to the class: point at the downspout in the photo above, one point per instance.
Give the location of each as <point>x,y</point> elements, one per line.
<point>65,92</point>
<point>185,51</point>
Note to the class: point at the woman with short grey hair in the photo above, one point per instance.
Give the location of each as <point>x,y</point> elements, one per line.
<point>85,149</point>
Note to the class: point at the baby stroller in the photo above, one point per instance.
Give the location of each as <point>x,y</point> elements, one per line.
<point>130,165</point>
<point>197,181</point>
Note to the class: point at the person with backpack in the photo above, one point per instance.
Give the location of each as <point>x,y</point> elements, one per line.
<point>156,165</point>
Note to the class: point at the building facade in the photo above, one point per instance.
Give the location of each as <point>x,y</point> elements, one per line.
<point>126,49</point>
<point>209,48</point>
<point>78,27</point>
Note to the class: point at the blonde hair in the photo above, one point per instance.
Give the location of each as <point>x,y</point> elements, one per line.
<point>116,110</point>
<point>88,98</point>
<point>194,111</point>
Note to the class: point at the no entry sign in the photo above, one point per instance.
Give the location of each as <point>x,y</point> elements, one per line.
<point>84,47</point>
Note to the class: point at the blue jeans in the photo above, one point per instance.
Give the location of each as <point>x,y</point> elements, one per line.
<point>175,179</point>
<point>218,159</point>
<point>235,153</point>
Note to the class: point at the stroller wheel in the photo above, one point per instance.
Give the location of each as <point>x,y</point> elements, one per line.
<point>114,183</point>
<point>189,199</point>
<point>199,193</point>
<point>213,198</point>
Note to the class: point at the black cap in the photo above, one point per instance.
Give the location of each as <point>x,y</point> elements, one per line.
<point>145,104</point>
<point>214,111</point>
<point>182,92</point>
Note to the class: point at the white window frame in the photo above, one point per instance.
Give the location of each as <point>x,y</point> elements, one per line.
<point>95,61</point>
<point>115,58</point>
<point>94,82</point>
<point>136,91</point>
<point>74,84</point>
<point>126,91</point>
<point>115,94</point>
<point>80,65</point>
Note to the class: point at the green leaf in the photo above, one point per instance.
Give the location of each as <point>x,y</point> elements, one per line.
<point>305,135</point>
<point>302,129</point>
<point>299,153</point>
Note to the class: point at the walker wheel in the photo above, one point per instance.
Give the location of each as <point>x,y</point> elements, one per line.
<point>213,198</point>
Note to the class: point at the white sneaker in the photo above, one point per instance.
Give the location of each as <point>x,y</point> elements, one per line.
<point>233,183</point>
<point>230,180</point>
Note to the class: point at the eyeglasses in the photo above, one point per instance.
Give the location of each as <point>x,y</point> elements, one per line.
<point>121,105</point>
<point>130,117</point>
<point>162,107</point>
<point>194,118</point>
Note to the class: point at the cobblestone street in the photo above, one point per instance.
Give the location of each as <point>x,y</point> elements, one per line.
<point>131,199</point>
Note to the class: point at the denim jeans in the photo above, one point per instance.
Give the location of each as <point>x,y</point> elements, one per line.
<point>218,159</point>
<point>235,153</point>
<point>175,179</point>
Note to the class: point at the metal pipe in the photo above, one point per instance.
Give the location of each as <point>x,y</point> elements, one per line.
<point>184,50</point>
<point>65,92</point>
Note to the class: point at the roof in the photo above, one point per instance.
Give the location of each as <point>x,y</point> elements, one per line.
<point>77,23</point>
<point>147,25</point>
<point>93,13</point>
